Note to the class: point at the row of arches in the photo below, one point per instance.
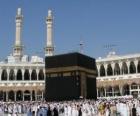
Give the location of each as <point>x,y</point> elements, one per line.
<point>117,70</point>
<point>21,95</point>
<point>112,91</point>
<point>20,76</point>
<point>118,91</point>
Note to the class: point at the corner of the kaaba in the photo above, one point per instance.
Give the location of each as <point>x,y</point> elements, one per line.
<point>70,76</point>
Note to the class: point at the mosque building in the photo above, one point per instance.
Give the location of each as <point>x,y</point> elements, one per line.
<point>22,79</point>
<point>118,76</point>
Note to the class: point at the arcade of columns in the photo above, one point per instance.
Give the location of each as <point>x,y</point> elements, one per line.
<point>118,76</point>
<point>22,83</point>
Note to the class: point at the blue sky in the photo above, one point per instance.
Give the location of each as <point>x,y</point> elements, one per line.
<point>96,22</point>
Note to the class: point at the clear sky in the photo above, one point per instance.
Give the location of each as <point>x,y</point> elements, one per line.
<point>96,22</point>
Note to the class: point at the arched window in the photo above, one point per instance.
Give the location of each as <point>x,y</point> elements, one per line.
<point>33,75</point>
<point>26,75</point>
<point>19,74</point>
<point>101,92</point>
<point>1,95</point>
<point>124,68</point>
<point>27,95</point>
<point>102,71</point>
<point>39,93</point>
<point>19,95</point>
<point>109,70</point>
<point>4,75</point>
<point>116,91</point>
<point>41,75</point>
<point>11,95</point>
<point>33,95</point>
<point>134,86</point>
<point>126,90</point>
<point>138,67</point>
<point>117,69</point>
<point>132,68</point>
<point>109,91</point>
<point>11,75</point>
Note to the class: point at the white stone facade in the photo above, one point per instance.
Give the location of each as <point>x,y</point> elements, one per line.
<point>22,81</point>
<point>118,75</point>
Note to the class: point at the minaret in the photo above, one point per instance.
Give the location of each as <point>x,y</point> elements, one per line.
<point>18,48</point>
<point>49,49</point>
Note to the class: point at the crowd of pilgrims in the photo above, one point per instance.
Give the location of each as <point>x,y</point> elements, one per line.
<point>115,107</point>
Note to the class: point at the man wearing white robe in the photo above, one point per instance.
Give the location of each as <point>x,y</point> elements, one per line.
<point>138,110</point>
<point>65,110</point>
<point>69,110</point>
<point>1,111</point>
<point>15,110</point>
<point>74,111</point>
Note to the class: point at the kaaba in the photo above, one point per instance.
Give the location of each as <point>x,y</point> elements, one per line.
<point>70,76</point>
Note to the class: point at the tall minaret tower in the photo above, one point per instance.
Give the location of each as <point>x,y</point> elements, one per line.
<point>49,49</point>
<point>18,47</point>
